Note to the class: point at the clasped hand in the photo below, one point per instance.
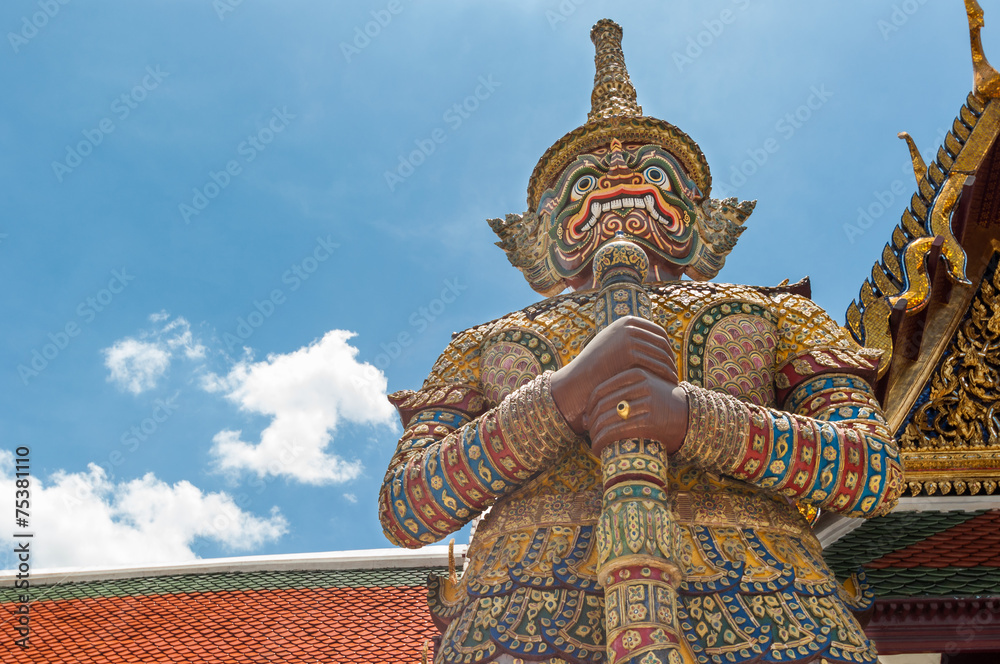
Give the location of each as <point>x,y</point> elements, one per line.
<point>631,360</point>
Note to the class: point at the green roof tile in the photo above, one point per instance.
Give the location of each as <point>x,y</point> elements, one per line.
<point>935,582</point>
<point>882,536</point>
<point>230,581</point>
<point>885,534</point>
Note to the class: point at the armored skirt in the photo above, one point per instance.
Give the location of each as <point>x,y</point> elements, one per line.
<point>754,580</point>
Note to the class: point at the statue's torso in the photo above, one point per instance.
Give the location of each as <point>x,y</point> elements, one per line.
<point>753,573</point>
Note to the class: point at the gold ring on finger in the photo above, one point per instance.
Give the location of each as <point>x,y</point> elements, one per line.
<point>623,409</point>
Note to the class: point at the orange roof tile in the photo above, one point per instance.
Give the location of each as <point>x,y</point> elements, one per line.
<point>384,623</point>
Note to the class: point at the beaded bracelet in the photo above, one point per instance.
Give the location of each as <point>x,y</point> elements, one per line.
<point>532,425</point>
<point>718,429</point>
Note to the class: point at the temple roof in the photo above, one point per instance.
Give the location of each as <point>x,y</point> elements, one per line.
<point>933,301</point>
<point>363,606</point>
<point>908,554</point>
<point>933,565</point>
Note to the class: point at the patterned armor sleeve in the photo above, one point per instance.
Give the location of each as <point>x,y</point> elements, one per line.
<point>455,457</point>
<point>830,447</point>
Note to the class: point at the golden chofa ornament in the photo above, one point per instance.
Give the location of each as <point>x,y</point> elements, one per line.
<point>620,172</point>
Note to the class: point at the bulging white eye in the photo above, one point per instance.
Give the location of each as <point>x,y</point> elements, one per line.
<point>655,175</point>
<point>583,185</point>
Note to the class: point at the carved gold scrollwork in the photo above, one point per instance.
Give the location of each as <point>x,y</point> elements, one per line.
<point>962,407</point>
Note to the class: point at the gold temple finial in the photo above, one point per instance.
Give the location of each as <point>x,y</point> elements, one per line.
<point>452,574</point>
<point>614,95</point>
<point>919,165</point>
<point>986,80</point>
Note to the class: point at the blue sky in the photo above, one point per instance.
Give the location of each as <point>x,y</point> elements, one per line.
<point>201,240</point>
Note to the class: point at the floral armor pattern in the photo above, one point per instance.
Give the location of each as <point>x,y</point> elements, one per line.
<point>781,410</point>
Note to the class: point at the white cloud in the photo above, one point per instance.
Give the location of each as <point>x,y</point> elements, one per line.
<point>83,519</point>
<point>351,498</point>
<point>306,393</point>
<point>178,337</point>
<point>136,364</point>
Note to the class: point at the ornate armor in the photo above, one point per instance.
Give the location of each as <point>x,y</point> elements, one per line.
<point>780,413</point>
<point>754,580</point>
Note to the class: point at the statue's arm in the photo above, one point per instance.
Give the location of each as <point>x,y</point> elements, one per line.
<point>456,457</point>
<point>830,446</point>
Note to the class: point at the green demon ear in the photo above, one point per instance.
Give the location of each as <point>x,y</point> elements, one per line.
<point>718,225</point>
<point>525,240</point>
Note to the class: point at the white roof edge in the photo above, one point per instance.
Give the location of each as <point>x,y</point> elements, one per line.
<point>833,527</point>
<point>428,556</point>
<point>947,503</point>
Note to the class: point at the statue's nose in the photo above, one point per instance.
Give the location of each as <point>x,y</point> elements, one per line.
<point>618,170</point>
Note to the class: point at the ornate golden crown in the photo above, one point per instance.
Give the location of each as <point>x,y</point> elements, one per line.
<point>615,114</point>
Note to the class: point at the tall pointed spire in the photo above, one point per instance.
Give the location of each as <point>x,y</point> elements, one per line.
<point>614,95</point>
<point>615,120</point>
<point>615,114</point>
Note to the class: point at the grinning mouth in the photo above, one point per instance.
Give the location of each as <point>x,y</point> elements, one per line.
<point>622,199</point>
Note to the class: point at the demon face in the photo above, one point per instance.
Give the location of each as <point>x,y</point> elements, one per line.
<point>639,190</point>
